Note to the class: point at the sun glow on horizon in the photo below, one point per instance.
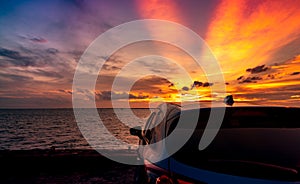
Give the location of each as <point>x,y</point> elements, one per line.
<point>256,44</point>
<point>243,35</point>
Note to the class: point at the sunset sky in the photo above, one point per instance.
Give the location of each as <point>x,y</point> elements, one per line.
<point>256,42</point>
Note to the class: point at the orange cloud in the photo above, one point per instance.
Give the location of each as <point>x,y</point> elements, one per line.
<point>156,9</point>
<point>243,34</point>
<point>278,85</point>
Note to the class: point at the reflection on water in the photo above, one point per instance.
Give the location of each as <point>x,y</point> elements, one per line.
<point>56,128</point>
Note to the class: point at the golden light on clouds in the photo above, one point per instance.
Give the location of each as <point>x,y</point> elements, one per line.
<point>279,75</point>
<point>271,85</point>
<point>256,43</point>
<point>278,84</point>
<point>244,34</point>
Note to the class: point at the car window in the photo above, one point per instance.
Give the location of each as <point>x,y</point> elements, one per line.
<point>154,128</point>
<point>147,130</point>
<point>150,120</point>
<point>157,131</point>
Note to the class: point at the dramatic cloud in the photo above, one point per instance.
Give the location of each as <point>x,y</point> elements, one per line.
<point>154,86</point>
<point>295,73</point>
<point>257,95</point>
<point>255,42</point>
<point>197,84</point>
<point>277,72</point>
<point>52,51</point>
<point>65,91</point>
<point>112,64</point>
<point>111,95</point>
<point>207,84</point>
<point>158,65</point>
<point>258,69</point>
<point>250,79</point>
<point>240,77</point>
<point>25,57</point>
<point>14,58</point>
<point>166,10</point>
<point>114,59</point>
<point>45,73</point>
<point>108,67</point>
<point>15,78</point>
<point>38,40</point>
<point>247,33</point>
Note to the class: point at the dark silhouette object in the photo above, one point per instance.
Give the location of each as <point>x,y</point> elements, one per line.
<point>257,69</point>
<point>228,100</point>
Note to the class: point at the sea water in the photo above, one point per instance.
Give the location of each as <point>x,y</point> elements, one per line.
<point>26,129</point>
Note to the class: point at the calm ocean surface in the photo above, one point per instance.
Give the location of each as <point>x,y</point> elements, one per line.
<point>56,128</point>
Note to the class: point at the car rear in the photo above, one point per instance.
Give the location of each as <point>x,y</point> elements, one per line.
<point>254,145</point>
